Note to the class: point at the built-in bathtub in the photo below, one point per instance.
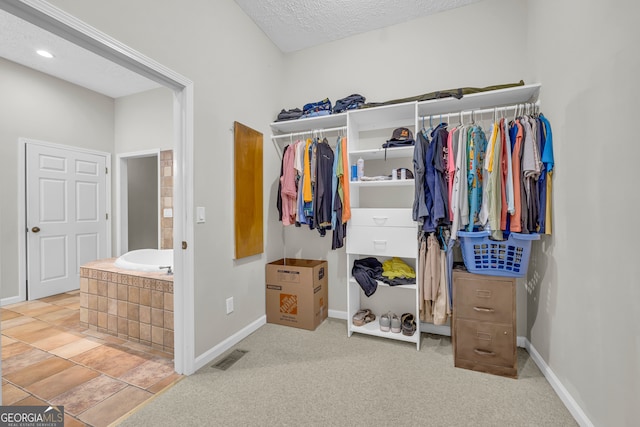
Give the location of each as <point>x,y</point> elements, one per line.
<point>150,260</point>
<point>134,305</point>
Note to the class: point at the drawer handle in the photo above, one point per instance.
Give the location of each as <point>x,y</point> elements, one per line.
<point>380,243</point>
<point>484,310</point>
<point>482,293</point>
<point>379,220</point>
<point>483,352</point>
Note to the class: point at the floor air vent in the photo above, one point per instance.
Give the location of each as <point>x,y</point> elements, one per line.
<point>229,360</point>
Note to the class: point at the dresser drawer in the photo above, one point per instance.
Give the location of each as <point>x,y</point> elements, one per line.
<point>382,217</point>
<point>485,343</point>
<point>383,241</point>
<point>480,298</point>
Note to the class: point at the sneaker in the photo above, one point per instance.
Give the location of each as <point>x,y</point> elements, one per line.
<point>395,324</point>
<point>385,322</point>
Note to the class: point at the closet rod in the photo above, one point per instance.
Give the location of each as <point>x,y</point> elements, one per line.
<point>308,132</point>
<point>485,110</point>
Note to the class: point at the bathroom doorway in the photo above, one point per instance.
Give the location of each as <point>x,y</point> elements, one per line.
<point>77,32</point>
<point>139,193</point>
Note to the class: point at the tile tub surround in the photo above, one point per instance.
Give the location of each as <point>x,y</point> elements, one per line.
<point>166,199</point>
<point>132,305</point>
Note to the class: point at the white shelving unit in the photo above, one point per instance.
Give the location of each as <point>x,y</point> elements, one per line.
<point>381,224</point>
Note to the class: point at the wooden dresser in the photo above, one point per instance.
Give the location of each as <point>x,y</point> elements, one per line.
<point>484,323</point>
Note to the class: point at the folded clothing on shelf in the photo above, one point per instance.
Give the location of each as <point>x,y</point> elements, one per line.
<point>320,108</point>
<point>292,114</point>
<point>350,102</point>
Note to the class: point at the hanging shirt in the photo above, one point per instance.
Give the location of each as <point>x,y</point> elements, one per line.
<point>459,195</point>
<point>495,186</point>
<point>288,185</point>
<point>435,191</point>
<point>508,155</point>
<point>420,210</point>
<point>547,160</point>
<point>335,182</point>
<point>323,195</point>
<point>451,166</point>
<point>516,217</point>
<point>487,172</point>
<point>307,196</point>
<point>344,178</point>
<point>505,164</point>
<point>476,148</point>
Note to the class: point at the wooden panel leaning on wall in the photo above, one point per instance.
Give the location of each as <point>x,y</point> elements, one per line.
<point>248,208</point>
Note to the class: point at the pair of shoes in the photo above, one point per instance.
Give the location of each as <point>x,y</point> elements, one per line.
<point>408,324</point>
<point>390,322</point>
<point>362,317</point>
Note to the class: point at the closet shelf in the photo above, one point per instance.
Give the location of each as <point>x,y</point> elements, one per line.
<point>383,284</point>
<point>384,117</point>
<point>373,328</point>
<point>379,153</point>
<point>311,123</point>
<point>385,183</point>
<point>495,98</point>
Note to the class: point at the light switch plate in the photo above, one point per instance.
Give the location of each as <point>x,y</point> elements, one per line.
<point>200,215</point>
<point>167,213</point>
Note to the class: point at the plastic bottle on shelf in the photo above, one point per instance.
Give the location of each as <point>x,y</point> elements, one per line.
<point>360,168</point>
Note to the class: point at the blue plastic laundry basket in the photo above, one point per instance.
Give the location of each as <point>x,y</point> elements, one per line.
<point>509,258</point>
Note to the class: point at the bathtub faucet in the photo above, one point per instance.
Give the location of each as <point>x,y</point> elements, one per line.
<point>168,267</point>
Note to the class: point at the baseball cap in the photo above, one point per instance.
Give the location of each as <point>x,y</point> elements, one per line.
<point>401,134</point>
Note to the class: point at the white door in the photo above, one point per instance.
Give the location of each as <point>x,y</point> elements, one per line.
<point>66,217</point>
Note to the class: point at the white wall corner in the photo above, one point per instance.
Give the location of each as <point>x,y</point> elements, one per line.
<point>216,351</point>
<point>564,395</point>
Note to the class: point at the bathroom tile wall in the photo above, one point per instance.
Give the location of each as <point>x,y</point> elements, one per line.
<point>166,198</point>
<point>134,308</point>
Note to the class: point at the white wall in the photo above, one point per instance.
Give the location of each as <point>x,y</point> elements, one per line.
<point>36,106</point>
<point>237,74</point>
<point>584,314</point>
<point>444,51</point>
<point>144,121</point>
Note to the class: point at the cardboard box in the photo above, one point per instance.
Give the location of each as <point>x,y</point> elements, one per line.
<point>297,292</point>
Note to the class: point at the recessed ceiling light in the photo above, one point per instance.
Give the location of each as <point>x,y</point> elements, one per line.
<point>44,53</point>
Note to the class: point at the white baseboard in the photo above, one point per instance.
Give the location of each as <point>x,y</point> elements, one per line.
<point>336,314</point>
<point>10,300</point>
<point>225,345</point>
<point>564,395</point>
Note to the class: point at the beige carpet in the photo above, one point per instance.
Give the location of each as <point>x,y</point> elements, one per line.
<point>293,377</point>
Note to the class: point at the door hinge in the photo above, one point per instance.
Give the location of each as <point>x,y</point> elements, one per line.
<point>184,245</point>
<point>106,216</point>
<point>106,170</point>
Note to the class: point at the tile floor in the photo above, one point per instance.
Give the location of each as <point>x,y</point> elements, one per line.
<point>47,358</point>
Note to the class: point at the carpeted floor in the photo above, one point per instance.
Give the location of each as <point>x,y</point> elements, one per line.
<point>293,377</point>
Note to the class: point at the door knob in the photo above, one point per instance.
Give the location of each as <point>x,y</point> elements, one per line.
<point>35,229</point>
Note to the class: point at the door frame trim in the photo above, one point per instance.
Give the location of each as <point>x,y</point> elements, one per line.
<point>56,21</point>
<point>22,200</point>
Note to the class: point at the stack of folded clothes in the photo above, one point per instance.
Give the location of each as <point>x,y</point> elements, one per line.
<point>351,102</point>
<point>322,108</point>
<point>292,114</point>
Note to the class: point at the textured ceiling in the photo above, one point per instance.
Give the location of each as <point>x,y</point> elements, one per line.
<point>19,41</point>
<point>291,24</point>
<point>297,24</point>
